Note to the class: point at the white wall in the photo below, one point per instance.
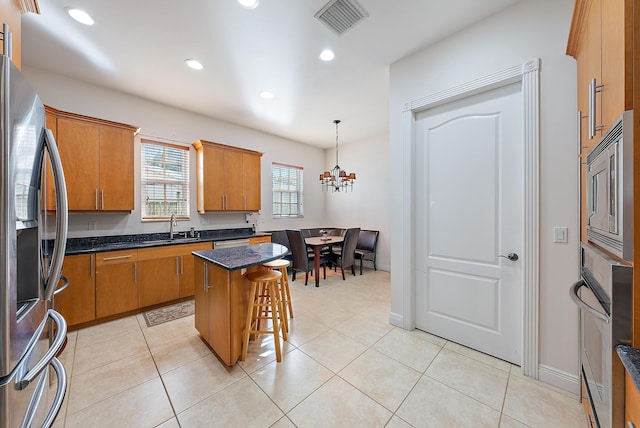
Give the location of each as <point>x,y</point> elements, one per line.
<point>164,123</point>
<point>524,31</point>
<point>367,207</point>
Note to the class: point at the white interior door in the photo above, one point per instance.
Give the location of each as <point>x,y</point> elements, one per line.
<point>469,211</point>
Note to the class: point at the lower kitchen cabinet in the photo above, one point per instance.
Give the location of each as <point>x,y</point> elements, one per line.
<point>201,298</point>
<point>116,282</point>
<point>105,284</point>
<point>632,403</point>
<point>77,302</point>
<point>259,240</point>
<point>221,301</point>
<point>187,266</point>
<point>158,275</point>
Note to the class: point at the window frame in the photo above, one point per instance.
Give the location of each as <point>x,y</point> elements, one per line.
<point>299,191</point>
<point>184,181</point>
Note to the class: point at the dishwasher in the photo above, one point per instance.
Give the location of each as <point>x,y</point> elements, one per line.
<point>230,243</point>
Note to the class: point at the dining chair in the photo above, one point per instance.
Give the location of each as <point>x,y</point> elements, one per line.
<point>302,260</point>
<point>346,256</point>
<point>280,237</point>
<point>366,247</point>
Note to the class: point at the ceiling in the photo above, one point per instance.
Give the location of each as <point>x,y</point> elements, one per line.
<point>139,47</point>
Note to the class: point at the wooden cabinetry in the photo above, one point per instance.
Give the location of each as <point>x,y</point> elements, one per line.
<point>221,300</point>
<point>632,403</point>
<point>158,275</point>
<point>166,273</point>
<point>77,302</point>
<point>116,282</point>
<point>259,240</point>
<point>601,41</point>
<point>187,267</point>
<point>228,178</point>
<point>603,34</point>
<point>98,161</point>
<point>10,10</point>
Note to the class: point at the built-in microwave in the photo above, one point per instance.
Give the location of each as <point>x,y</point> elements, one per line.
<point>610,189</point>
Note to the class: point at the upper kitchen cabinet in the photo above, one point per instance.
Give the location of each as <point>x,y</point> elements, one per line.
<point>601,42</point>
<point>98,162</point>
<point>228,178</point>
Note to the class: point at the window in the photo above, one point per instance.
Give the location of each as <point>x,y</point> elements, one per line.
<point>165,180</point>
<point>287,190</point>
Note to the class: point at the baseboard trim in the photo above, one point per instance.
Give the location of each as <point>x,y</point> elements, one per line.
<point>396,320</point>
<point>558,378</point>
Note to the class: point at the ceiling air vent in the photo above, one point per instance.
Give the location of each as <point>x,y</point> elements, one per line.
<point>341,15</point>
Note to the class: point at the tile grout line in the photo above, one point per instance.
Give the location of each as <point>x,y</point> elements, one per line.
<point>175,415</point>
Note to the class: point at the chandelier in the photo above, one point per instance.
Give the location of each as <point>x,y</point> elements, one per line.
<point>337,179</point>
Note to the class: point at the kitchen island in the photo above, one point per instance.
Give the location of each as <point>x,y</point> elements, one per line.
<point>222,294</point>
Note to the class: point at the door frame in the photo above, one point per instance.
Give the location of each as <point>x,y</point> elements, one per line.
<point>528,74</point>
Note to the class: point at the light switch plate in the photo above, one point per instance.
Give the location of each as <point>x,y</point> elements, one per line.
<point>560,234</point>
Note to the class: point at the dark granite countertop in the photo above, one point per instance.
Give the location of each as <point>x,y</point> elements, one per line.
<point>630,357</point>
<point>244,256</point>
<point>123,242</point>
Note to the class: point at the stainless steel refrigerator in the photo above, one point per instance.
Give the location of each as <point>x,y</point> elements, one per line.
<point>31,332</point>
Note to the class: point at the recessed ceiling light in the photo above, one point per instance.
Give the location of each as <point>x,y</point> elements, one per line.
<point>249,4</point>
<point>267,94</point>
<point>194,63</point>
<point>80,16</point>
<point>327,55</point>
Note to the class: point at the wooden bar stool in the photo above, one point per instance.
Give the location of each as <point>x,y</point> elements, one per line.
<point>264,304</point>
<point>285,294</point>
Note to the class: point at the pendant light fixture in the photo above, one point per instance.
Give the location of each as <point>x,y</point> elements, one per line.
<point>337,179</point>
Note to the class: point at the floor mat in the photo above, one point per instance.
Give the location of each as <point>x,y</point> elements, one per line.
<point>169,313</point>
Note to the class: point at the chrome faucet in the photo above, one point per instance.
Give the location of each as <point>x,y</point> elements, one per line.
<point>173,222</point>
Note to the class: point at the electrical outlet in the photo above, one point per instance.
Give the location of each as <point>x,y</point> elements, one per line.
<point>560,234</point>
<point>91,225</point>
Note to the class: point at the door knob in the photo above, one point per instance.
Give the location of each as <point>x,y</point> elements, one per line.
<point>511,256</point>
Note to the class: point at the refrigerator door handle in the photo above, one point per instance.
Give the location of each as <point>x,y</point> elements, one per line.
<point>61,390</point>
<point>61,334</point>
<point>56,405</point>
<point>62,216</point>
<point>65,284</point>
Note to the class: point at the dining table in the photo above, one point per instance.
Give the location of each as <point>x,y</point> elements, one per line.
<point>317,243</point>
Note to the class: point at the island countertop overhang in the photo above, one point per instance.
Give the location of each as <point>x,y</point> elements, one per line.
<point>243,256</point>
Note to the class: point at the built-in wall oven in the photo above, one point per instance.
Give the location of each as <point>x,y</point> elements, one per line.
<point>603,295</point>
<point>610,189</point>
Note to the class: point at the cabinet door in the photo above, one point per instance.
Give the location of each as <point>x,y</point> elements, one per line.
<point>251,182</point>
<point>77,302</point>
<point>593,35</point>
<point>187,267</point>
<point>116,289</point>
<point>78,144</point>
<point>213,175</point>
<point>233,181</point>
<point>220,313</point>
<point>116,282</point>
<point>201,298</point>
<point>632,403</point>
<point>116,169</point>
<point>49,193</point>
<point>158,280</point>
<point>617,71</point>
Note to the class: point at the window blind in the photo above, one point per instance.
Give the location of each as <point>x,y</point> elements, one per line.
<point>287,190</point>
<point>164,180</point>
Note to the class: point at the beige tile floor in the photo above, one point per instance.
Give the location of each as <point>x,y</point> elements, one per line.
<point>343,366</point>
